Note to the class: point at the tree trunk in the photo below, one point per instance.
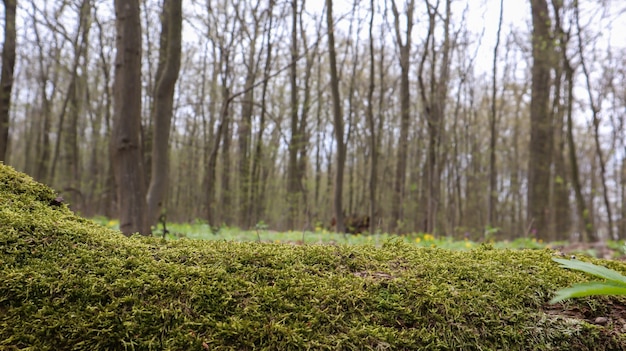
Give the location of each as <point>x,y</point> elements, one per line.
<point>126,142</point>
<point>541,133</point>
<point>373,145</point>
<point>170,56</point>
<point>255,204</point>
<point>337,119</point>
<point>581,205</point>
<point>560,217</point>
<point>493,135</point>
<point>595,111</point>
<point>43,138</point>
<point>76,108</point>
<point>405,112</point>
<point>434,105</point>
<point>244,135</point>
<point>226,192</point>
<point>6,77</point>
<point>293,183</point>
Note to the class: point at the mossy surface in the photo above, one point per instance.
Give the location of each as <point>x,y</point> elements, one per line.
<point>69,284</point>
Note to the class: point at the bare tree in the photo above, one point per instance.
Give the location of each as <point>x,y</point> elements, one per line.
<point>126,148</point>
<point>256,194</point>
<point>6,77</point>
<point>405,107</point>
<point>293,181</point>
<point>244,133</point>
<point>337,119</point>
<point>373,140</point>
<point>169,62</point>
<point>433,99</point>
<point>493,128</point>
<point>595,113</point>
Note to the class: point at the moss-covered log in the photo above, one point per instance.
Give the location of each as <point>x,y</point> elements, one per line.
<point>69,284</point>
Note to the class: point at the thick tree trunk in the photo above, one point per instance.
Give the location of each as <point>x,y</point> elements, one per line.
<point>171,37</point>
<point>126,146</point>
<point>541,133</point>
<point>6,77</point>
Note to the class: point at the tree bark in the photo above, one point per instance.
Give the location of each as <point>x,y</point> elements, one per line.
<point>6,77</point>
<point>256,205</point>
<point>171,37</point>
<point>434,105</point>
<point>373,143</point>
<point>493,135</point>
<point>581,204</point>
<point>595,112</point>
<point>126,141</point>
<point>43,138</point>
<point>337,119</point>
<point>405,111</point>
<point>541,133</point>
<point>293,183</point>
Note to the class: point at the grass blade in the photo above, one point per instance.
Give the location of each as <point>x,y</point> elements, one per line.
<point>592,269</point>
<point>589,289</point>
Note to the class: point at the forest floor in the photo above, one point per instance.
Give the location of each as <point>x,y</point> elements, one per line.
<point>202,231</point>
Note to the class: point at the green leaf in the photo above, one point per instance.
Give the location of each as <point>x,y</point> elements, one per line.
<point>592,269</point>
<point>589,289</point>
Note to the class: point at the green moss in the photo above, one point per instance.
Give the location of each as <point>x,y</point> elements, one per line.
<point>69,284</point>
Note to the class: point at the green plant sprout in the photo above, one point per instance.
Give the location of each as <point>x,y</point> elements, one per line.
<point>615,284</point>
<point>259,227</point>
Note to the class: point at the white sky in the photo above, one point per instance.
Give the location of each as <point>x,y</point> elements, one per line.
<point>483,15</point>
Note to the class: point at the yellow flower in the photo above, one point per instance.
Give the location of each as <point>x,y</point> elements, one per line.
<point>418,239</point>
<point>468,244</point>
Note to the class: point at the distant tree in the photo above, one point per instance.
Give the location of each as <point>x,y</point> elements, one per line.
<point>596,119</point>
<point>404,48</point>
<point>337,118</point>
<point>126,149</point>
<point>167,75</point>
<point>434,100</point>
<point>294,176</point>
<point>541,132</point>
<point>493,130</point>
<point>6,77</point>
